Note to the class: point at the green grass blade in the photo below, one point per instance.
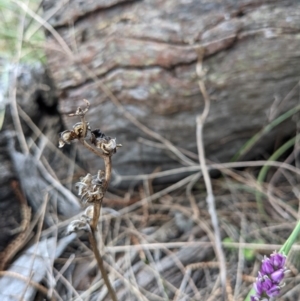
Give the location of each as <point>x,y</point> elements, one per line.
<point>249,144</point>
<point>263,172</point>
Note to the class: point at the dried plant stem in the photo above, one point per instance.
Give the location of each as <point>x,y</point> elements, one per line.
<point>210,199</point>
<point>211,166</point>
<point>96,216</point>
<point>34,284</point>
<point>100,263</point>
<point>98,205</point>
<point>93,150</point>
<point>107,162</point>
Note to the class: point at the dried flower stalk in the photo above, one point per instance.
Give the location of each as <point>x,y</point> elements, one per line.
<point>92,189</point>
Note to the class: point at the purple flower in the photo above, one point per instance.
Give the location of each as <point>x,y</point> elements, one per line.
<point>262,285</point>
<point>267,266</point>
<point>277,276</point>
<point>269,277</point>
<point>273,291</point>
<point>278,260</point>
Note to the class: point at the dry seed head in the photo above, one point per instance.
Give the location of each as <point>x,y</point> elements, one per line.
<point>79,225</point>
<point>61,143</point>
<point>85,197</point>
<point>78,129</point>
<point>82,187</point>
<point>95,195</point>
<point>87,179</point>
<point>89,211</point>
<point>90,188</point>
<point>108,145</point>
<point>66,137</point>
<point>99,178</point>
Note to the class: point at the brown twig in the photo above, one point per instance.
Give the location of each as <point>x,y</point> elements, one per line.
<point>96,215</point>
<point>38,286</point>
<point>11,250</point>
<point>92,188</point>
<point>93,242</point>
<point>212,166</point>
<point>210,199</point>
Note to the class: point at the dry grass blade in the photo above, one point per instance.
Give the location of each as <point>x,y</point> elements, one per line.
<point>199,244</point>
<point>241,261</point>
<point>157,195</point>
<point>36,285</point>
<point>13,88</point>
<point>210,166</point>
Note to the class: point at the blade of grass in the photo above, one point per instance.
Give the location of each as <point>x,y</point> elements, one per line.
<point>263,172</point>
<point>249,144</point>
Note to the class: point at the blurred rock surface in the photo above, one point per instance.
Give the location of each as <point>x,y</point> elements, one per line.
<point>145,52</point>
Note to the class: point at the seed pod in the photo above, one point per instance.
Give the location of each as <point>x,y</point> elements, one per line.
<point>89,212</point>
<point>66,137</point>
<point>87,179</point>
<point>78,225</point>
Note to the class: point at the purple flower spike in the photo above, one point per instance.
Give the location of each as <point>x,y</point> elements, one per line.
<point>267,283</point>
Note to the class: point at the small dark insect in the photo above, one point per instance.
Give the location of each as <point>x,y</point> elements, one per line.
<point>98,134</point>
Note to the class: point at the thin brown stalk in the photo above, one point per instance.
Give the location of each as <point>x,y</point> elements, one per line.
<point>91,149</point>
<point>241,260</point>
<point>36,285</point>
<point>210,199</point>
<point>100,263</point>
<point>212,166</point>
<point>200,244</point>
<point>96,216</point>
<point>107,162</point>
